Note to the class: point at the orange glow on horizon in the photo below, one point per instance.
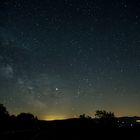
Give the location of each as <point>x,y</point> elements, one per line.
<point>55,117</point>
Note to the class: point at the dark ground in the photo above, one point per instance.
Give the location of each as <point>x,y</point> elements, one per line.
<point>66,129</point>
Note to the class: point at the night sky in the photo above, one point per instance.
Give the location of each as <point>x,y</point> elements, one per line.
<point>62,58</point>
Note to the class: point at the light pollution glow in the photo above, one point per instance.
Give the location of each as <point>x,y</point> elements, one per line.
<point>55,117</point>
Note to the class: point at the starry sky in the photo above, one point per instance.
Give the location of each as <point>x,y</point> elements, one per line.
<point>62,58</point>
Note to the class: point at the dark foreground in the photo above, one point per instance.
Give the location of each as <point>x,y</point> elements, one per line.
<point>68,129</point>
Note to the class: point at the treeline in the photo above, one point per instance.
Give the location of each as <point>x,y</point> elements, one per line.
<point>5,116</point>
<point>102,119</point>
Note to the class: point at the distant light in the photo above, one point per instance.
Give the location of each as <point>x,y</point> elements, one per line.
<point>138,121</point>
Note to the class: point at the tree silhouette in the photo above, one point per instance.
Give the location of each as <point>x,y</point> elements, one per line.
<point>106,119</point>
<point>104,114</point>
<point>83,116</point>
<point>3,112</point>
<point>26,117</point>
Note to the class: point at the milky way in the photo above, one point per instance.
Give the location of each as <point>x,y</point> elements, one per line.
<point>64,58</point>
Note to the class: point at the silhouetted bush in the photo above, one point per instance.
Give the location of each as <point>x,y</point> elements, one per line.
<point>26,117</point>
<point>83,116</point>
<point>104,114</point>
<point>106,119</point>
<point>4,115</point>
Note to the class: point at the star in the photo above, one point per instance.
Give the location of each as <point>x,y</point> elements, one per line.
<point>56,89</point>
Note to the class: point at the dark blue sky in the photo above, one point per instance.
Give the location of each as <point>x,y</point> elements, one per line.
<point>59,59</point>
